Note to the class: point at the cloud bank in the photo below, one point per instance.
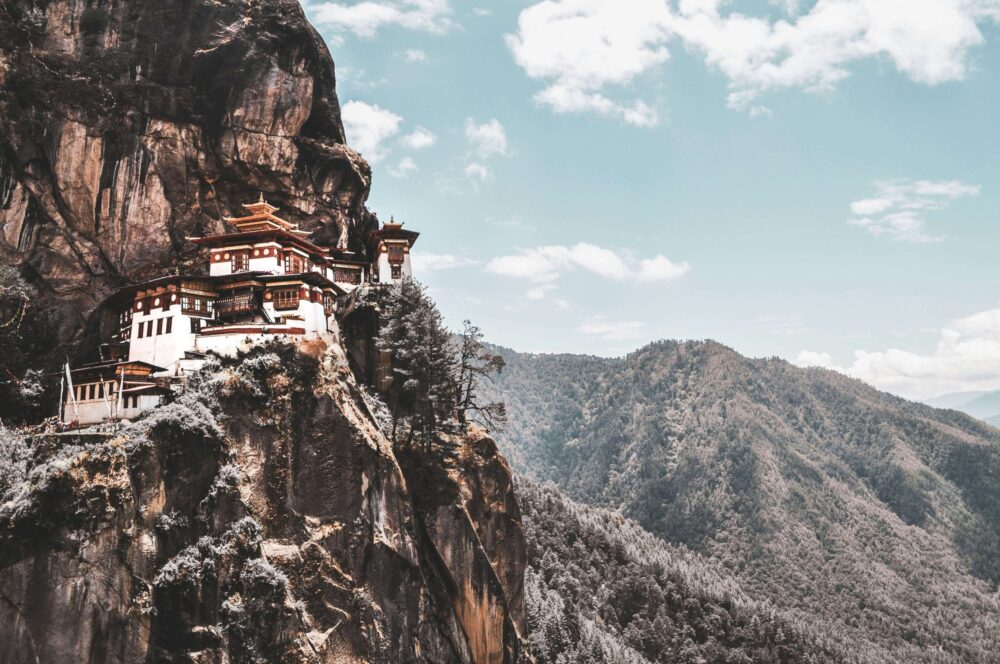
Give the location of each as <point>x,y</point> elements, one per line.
<point>547,263</point>
<point>898,208</point>
<point>966,357</point>
<point>587,53</point>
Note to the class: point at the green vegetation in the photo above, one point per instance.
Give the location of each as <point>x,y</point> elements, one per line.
<point>600,590</point>
<point>876,517</point>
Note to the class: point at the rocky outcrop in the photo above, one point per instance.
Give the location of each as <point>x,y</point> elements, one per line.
<point>481,532</point>
<point>128,125</point>
<point>261,517</point>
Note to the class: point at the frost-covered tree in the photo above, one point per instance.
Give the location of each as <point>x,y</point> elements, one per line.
<point>25,347</point>
<point>420,388</point>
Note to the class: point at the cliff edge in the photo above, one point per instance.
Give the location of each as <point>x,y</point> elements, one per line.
<point>262,516</point>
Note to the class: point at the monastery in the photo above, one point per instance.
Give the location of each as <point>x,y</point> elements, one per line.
<point>266,280</point>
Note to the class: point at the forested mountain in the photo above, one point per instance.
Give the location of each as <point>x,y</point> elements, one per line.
<point>601,590</point>
<point>874,516</point>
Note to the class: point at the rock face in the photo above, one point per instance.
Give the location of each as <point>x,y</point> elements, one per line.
<point>128,125</point>
<point>261,517</point>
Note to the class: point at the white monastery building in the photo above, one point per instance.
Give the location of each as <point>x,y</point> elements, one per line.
<point>266,280</point>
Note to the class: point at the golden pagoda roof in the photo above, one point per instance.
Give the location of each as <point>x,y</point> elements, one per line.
<point>262,217</point>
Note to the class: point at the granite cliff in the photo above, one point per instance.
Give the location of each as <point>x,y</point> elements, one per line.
<point>262,515</point>
<point>131,124</point>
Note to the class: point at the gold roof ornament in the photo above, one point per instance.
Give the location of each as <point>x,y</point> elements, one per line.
<point>262,217</point>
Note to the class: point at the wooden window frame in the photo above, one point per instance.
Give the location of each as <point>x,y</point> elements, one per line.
<point>239,261</point>
<point>286,299</point>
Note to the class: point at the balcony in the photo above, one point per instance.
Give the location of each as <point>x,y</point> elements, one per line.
<point>237,305</point>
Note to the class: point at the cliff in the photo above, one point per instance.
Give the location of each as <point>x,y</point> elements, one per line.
<point>261,517</point>
<point>130,125</point>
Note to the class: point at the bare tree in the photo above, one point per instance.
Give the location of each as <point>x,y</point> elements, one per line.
<point>15,294</point>
<point>475,365</point>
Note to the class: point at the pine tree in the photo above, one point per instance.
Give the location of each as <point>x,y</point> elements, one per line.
<point>420,391</point>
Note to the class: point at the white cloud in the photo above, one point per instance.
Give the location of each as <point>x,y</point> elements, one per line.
<point>660,268</point>
<point>405,166</point>
<point>613,330</point>
<point>368,127</point>
<point>425,262</point>
<point>539,292</point>
<point>414,55</point>
<point>582,48</point>
<point>966,357</point>
<point>488,139</point>
<point>478,172</point>
<point>419,139</point>
<point>545,264</point>
<point>808,358</point>
<point>928,41</point>
<point>897,210</point>
<point>366,18</point>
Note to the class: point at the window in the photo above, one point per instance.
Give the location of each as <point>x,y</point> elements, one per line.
<point>294,263</point>
<point>397,272</point>
<point>140,330</point>
<point>100,390</point>
<point>346,276</point>
<point>329,303</point>
<point>241,261</point>
<point>286,298</point>
<point>149,328</point>
<point>395,251</point>
<point>92,391</point>
<point>170,325</point>
<point>195,325</point>
<point>159,326</point>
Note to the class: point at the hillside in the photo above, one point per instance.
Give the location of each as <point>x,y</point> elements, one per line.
<point>601,590</point>
<point>876,516</point>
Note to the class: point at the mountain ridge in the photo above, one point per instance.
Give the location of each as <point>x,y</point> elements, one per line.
<point>798,480</point>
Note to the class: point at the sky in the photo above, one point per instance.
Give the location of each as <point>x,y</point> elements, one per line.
<point>813,181</point>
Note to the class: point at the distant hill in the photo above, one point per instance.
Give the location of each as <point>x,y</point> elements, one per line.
<point>875,515</point>
<point>954,399</point>
<point>981,405</point>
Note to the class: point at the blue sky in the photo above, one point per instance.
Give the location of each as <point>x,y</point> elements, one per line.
<point>816,181</point>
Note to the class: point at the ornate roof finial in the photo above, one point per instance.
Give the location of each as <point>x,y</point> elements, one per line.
<point>261,199</point>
